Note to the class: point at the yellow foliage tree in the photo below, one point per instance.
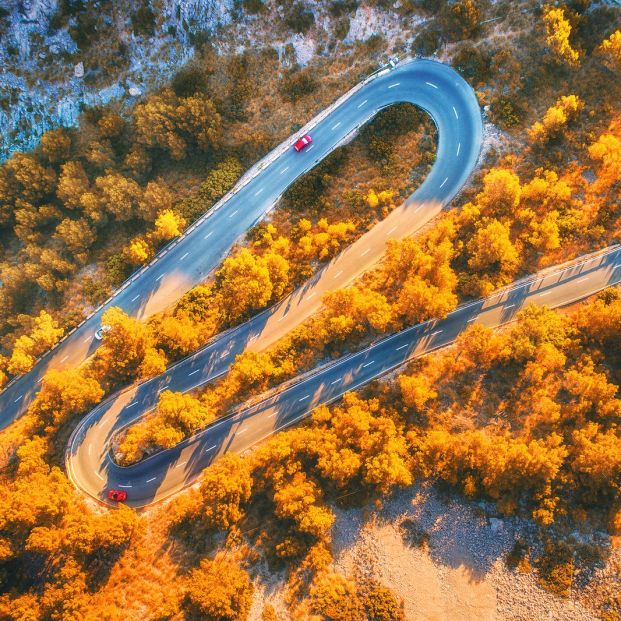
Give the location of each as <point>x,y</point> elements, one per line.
<point>358,440</point>
<point>56,145</point>
<point>607,152</point>
<point>154,363</point>
<point>225,488</point>
<point>556,118</point>
<point>124,347</point>
<point>138,252</point>
<point>64,394</point>
<point>119,195</point>
<point>249,282</point>
<point>298,499</point>
<point>168,225</point>
<point>324,242</point>
<point>501,191</point>
<point>352,312</point>
<point>156,199</point>
<point>27,348</point>
<point>491,247</point>
<point>611,49</point>
<point>544,234</point>
<point>219,589</point>
<point>335,597</point>
<point>558,31</point>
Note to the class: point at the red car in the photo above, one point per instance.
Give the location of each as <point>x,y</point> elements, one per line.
<point>302,143</point>
<point>117,495</point>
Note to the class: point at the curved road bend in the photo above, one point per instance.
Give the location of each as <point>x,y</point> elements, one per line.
<point>88,458</point>
<point>430,85</point>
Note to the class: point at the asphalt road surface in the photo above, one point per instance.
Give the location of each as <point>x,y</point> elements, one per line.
<point>433,86</point>
<point>88,458</point>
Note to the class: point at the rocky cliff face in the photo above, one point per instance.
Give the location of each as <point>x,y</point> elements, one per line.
<point>58,55</point>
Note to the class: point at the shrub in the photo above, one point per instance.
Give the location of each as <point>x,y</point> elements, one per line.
<point>253,7</point>
<point>381,604</point>
<point>335,598</point>
<point>143,21</point>
<point>219,589</point>
<point>556,568</point>
<point>426,42</point>
<point>188,81</point>
<point>298,83</point>
<point>299,19</point>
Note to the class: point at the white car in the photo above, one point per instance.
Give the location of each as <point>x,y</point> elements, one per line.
<point>99,334</point>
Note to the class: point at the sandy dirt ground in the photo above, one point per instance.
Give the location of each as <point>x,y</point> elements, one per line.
<point>459,574</point>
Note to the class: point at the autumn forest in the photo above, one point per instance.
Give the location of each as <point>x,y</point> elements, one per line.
<point>522,422</point>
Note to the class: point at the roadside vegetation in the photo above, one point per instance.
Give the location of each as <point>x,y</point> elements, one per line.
<point>527,417</point>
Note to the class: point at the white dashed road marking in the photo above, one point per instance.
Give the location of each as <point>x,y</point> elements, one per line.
<point>402,347</point>
<point>362,104</point>
<point>65,358</point>
<point>368,364</point>
<point>338,274</point>
<point>208,235</point>
<point>365,252</point>
<point>135,298</point>
<point>335,126</point>
<point>395,84</point>
<point>458,149</point>
<point>18,398</point>
<point>304,398</point>
<point>233,213</point>
<point>442,184</point>
<point>284,170</point>
<point>336,381</point>
<point>124,485</point>
<point>184,256</point>
<point>181,464</point>
<point>160,277</point>
<point>210,448</point>
<point>193,372</point>
<point>430,84</point>
<point>151,479</point>
<point>455,111</point>
<point>258,192</point>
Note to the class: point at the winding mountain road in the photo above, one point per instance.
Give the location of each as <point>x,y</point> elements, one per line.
<point>433,86</point>
<point>452,105</point>
<point>88,457</point>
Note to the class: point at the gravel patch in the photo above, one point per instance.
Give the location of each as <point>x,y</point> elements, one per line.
<point>458,573</point>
